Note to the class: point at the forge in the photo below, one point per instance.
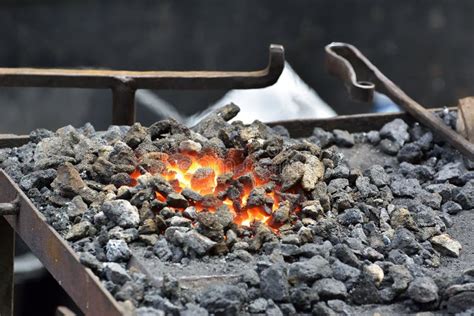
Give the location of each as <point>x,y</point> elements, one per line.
<point>233,184</point>
<point>176,177</point>
<point>232,219</point>
<point>208,183</point>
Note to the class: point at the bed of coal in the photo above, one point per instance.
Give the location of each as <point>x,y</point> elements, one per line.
<point>234,219</point>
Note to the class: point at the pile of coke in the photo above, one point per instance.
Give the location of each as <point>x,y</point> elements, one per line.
<point>307,232</point>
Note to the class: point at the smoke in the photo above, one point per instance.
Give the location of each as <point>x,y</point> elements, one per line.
<point>157,105</point>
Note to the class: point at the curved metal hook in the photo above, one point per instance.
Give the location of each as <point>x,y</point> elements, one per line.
<point>348,64</point>
<point>361,78</point>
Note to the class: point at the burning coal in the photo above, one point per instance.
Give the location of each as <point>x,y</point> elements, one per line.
<point>277,220</point>
<point>205,189</point>
<point>208,182</point>
<point>252,177</point>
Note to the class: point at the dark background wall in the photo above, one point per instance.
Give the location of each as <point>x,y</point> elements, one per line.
<point>424,46</point>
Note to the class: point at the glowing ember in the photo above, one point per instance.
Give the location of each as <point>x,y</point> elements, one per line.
<point>228,181</point>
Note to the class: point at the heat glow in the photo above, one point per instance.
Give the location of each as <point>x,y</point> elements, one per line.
<point>210,175</point>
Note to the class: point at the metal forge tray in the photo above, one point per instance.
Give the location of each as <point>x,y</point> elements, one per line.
<point>84,288</point>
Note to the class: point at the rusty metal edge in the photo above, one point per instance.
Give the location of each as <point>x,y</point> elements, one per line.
<point>7,255</point>
<point>12,140</point>
<point>356,123</point>
<point>57,256</point>
<point>298,128</point>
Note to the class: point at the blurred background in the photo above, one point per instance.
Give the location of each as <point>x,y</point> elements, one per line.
<point>424,46</point>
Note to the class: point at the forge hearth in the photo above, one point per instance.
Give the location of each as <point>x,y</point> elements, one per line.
<point>170,180</point>
<point>227,218</point>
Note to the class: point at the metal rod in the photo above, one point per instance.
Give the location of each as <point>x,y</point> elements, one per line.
<point>57,256</point>
<point>7,256</point>
<point>8,209</point>
<point>11,208</point>
<point>355,123</point>
<point>362,78</point>
<point>11,140</point>
<point>99,78</point>
<point>64,311</point>
<point>123,112</point>
<point>124,83</point>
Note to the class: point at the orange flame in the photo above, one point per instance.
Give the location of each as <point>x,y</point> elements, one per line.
<point>160,197</point>
<point>200,173</point>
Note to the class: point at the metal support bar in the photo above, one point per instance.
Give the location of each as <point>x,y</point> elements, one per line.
<point>11,140</point>
<point>123,112</point>
<point>7,256</point>
<point>64,311</point>
<point>125,83</point>
<point>11,208</point>
<point>57,256</point>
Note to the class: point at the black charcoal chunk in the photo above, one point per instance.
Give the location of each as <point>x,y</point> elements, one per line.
<point>396,131</point>
<point>223,299</point>
<point>389,147</point>
<point>274,283</point>
<point>343,138</point>
<point>423,290</point>
<point>311,270</point>
<point>116,273</point>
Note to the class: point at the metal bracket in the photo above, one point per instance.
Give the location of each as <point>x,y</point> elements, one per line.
<point>124,83</point>
<point>11,208</point>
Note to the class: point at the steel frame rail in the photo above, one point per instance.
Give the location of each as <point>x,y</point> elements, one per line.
<point>125,83</point>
